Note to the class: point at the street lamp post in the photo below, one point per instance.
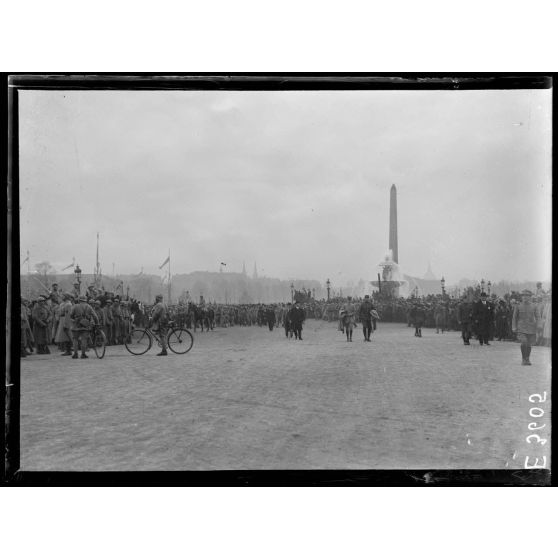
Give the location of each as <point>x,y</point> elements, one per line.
<point>77,272</point>
<point>488,287</point>
<point>443,282</point>
<point>328,286</point>
<point>292,292</point>
<point>482,285</point>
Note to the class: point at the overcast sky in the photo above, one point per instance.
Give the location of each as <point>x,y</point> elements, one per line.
<point>295,181</point>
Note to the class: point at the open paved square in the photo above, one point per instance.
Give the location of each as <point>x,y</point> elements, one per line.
<point>248,398</point>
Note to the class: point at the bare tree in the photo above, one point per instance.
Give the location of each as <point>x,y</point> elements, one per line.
<point>45,269</point>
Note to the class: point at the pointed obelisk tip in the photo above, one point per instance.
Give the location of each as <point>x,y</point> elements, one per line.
<point>393,187</point>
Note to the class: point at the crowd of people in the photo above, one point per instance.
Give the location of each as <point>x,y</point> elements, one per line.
<point>55,317</point>
<point>65,319</point>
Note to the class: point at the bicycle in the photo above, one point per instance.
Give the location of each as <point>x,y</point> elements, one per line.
<point>97,339</point>
<point>140,340</point>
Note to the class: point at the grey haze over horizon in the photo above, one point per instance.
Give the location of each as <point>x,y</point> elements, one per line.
<point>297,182</point>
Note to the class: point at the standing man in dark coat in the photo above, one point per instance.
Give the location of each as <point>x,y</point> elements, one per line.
<point>270,317</point>
<point>297,318</point>
<point>465,319</point>
<point>483,316</point>
<point>287,323</point>
<point>365,317</point>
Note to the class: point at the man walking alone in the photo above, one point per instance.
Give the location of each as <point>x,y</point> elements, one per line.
<point>365,317</point>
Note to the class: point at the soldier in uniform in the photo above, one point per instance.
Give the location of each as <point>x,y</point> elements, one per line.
<point>55,295</point>
<point>99,313</point>
<point>440,317</point>
<point>483,316</point>
<point>126,321</point>
<point>76,291</point>
<point>63,334</point>
<point>24,325</point>
<point>365,317</point>
<point>159,318</point>
<point>524,323</point>
<point>83,318</point>
<point>117,322</point>
<point>419,318</point>
<point>41,326</point>
<point>348,311</point>
<point>107,310</point>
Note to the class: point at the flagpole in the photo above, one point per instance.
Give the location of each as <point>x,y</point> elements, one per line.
<point>28,277</point>
<point>169,301</point>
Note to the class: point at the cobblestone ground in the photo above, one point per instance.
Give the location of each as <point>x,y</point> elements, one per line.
<point>248,398</point>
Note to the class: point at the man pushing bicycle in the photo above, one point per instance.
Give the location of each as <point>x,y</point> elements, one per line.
<point>159,322</point>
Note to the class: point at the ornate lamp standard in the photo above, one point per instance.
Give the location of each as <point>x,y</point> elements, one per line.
<point>482,285</point>
<point>488,287</point>
<point>292,291</point>
<point>77,273</point>
<point>443,283</point>
<point>328,286</point>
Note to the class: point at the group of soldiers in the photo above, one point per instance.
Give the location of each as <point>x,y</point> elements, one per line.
<point>65,320</point>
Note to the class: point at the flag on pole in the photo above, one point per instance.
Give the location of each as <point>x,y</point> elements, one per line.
<point>165,262</point>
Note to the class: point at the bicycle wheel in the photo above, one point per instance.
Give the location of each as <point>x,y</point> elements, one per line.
<point>99,343</point>
<point>180,341</point>
<point>139,342</point>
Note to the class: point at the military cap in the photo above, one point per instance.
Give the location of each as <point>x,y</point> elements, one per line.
<point>366,296</point>
<point>67,296</point>
<point>82,298</point>
<point>97,302</point>
<point>41,298</point>
<point>526,292</point>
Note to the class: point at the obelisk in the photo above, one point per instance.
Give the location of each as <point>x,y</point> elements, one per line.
<point>393,223</point>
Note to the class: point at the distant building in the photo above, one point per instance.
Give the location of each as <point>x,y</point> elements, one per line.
<point>423,286</point>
